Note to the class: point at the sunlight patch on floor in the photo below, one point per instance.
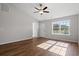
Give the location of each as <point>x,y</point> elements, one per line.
<point>50,42</point>
<point>62,44</point>
<point>59,48</point>
<point>44,45</point>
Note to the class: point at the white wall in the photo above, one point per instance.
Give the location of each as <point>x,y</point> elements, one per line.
<point>46,29</point>
<point>78,29</point>
<point>78,34</point>
<point>14,25</point>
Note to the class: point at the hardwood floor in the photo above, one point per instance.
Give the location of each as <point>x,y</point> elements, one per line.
<point>39,47</point>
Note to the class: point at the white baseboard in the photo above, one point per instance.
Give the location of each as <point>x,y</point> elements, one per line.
<point>63,40</point>
<point>15,41</point>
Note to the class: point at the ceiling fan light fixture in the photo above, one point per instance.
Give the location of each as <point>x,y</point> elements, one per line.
<point>40,11</point>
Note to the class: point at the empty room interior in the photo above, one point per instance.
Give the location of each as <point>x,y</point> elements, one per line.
<point>39,29</point>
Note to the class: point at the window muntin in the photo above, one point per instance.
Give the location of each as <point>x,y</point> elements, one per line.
<point>61,27</point>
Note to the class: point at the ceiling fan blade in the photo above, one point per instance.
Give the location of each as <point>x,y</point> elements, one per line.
<point>44,8</point>
<point>37,8</point>
<point>46,11</point>
<point>36,12</point>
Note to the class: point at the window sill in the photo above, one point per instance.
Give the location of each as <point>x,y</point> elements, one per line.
<point>60,34</point>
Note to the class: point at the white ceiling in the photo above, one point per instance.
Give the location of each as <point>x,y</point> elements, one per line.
<point>56,10</point>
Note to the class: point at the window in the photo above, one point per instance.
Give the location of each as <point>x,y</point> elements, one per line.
<point>61,27</point>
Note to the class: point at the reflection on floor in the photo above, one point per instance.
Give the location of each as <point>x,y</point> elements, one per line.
<point>55,47</point>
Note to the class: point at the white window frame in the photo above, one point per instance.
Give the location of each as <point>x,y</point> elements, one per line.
<point>60,28</point>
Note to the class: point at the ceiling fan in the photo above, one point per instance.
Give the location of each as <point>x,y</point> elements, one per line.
<point>41,10</point>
